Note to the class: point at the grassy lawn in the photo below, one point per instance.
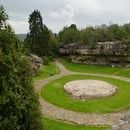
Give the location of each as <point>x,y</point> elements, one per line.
<point>46,71</point>
<point>50,124</point>
<point>54,93</point>
<point>96,69</point>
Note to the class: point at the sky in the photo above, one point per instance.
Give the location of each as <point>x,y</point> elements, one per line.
<point>59,13</point>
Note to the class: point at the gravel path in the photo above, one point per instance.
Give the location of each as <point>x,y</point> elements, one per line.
<point>77,117</point>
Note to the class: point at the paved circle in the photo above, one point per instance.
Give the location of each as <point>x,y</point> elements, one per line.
<point>84,89</point>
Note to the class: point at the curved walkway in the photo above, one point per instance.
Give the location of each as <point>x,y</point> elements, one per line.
<point>77,117</point>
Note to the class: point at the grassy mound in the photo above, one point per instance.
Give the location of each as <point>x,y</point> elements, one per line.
<point>54,93</point>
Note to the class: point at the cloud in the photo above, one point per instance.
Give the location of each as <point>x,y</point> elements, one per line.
<point>100,11</point>
<point>21,26</point>
<point>59,13</point>
<point>65,14</point>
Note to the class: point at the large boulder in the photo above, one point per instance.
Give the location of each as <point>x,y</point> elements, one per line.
<point>35,63</point>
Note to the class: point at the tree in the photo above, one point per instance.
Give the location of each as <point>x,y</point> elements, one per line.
<point>53,45</point>
<point>3,16</point>
<point>89,36</point>
<point>73,26</point>
<point>38,37</point>
<point>69,35</point>
<point>19,106</point>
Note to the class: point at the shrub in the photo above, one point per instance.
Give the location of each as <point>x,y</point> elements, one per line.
<point>45,60</point>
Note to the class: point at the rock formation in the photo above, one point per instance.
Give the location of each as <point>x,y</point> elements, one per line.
<point>101,53</point>
<point>35,63</point>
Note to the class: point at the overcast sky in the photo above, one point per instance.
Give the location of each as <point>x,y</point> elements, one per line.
<point>58,13</point>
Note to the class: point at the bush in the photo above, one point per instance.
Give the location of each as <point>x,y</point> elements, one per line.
<point>19,106</point>
<point>45,60</point>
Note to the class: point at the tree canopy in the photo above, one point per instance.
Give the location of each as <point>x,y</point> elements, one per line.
<point>91,35</point>
<point>69,34</point>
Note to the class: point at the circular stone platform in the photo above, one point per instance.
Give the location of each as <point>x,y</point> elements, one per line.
<point>85,89</point>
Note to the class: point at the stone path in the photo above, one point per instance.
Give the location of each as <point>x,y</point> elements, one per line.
<point>77,117</point>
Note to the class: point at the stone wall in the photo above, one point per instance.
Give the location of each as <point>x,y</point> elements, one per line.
<point>102,53</point>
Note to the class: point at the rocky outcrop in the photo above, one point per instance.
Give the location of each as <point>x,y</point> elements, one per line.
<point>102,53</point>
<point>101,48</point>
<point>35,63</point>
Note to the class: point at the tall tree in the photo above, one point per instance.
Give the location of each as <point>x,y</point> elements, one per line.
<point>19,106</point>
<point>3,16</point>
<point>38,37</point>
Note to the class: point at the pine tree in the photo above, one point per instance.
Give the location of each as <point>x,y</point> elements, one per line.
<point>39,36</point>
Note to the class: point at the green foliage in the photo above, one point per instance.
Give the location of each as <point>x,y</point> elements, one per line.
<point>53,46</point>
<point>19,106</point>
<point>3,16</point>
<point>40,40</point>
<point>73,26</point>
<point>69,35</point>
<point>38,37</point>
<point>89,36</point>
<point>45,60</point>
<point>92,35</point>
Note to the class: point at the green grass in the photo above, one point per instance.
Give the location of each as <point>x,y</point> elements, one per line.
<point>54,93</point>
<point>46,71</point>
<point>50,124</point>
<point>96,69</point>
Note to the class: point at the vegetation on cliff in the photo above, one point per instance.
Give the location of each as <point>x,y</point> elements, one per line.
<point>91,35</point>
